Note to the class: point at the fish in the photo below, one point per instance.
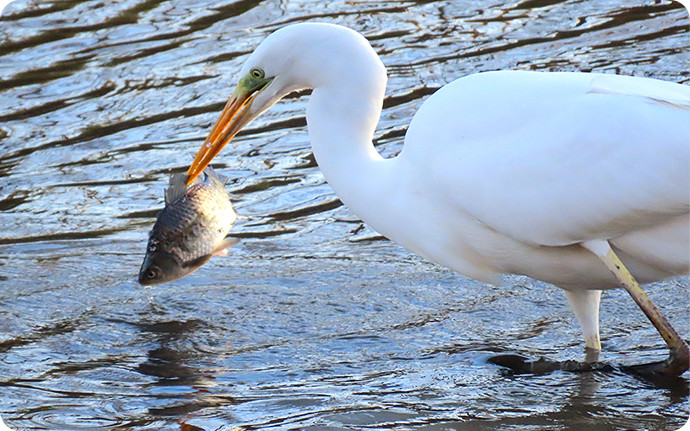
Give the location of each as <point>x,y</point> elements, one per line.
<point>190,230</point>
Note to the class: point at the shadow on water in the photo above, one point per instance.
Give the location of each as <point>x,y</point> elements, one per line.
<point>314,321</point>
<point>180,383</point>
<point>170,365</point>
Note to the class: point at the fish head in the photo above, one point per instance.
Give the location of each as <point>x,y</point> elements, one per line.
<point>162,267</point>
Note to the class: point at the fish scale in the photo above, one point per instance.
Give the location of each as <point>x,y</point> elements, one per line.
<point>198,215</point>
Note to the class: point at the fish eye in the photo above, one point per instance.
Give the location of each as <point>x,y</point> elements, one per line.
<point>257,73</point>
<point>151,273</point>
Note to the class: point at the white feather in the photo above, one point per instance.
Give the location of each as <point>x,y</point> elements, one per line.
<point>501,172</point>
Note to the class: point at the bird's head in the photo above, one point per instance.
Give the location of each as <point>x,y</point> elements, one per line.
<point>296,57</point>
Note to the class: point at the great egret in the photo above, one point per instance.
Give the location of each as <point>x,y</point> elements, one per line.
<point>550,175</point>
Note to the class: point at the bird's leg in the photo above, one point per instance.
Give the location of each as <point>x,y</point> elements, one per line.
<point>585,304</point>
<point>679,359</point>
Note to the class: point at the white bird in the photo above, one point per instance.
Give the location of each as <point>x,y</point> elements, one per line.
<point>550,175</point>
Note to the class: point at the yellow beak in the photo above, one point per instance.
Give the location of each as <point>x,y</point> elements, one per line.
<point>235,115</point>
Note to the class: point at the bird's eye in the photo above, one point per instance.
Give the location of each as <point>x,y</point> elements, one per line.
<point>257,73</point>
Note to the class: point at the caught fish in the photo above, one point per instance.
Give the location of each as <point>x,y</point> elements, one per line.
<point>189,230</point>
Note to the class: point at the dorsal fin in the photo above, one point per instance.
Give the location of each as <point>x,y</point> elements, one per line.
<point>213,174</point>
<point>177,187</point>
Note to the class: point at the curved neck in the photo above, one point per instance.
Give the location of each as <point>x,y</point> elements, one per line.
<point>341,122</point>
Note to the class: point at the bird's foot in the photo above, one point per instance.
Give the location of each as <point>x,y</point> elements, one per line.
<point>520,365</point>
<point>661,372</point>
<point>673,366</point>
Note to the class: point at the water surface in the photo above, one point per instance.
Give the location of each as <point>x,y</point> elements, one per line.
<point>314,321</point>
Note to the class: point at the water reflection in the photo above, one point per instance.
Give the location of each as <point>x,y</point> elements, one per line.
<point>170,365</point>
<point>180,384</point>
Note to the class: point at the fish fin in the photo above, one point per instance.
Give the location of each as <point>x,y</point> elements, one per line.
<point>222,248</point>
<point>213,174</point>
<point>195,264</point>
<point>176,188</point>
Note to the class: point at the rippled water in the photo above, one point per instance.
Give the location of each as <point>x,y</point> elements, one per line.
<point>313,321</point>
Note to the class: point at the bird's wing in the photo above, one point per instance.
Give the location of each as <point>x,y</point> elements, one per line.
<point>556,158</point>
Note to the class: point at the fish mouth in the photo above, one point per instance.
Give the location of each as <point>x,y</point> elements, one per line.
<point>147,282</point>
<point>149,276</point>
<point>160,267</point>
<point>166,267</point>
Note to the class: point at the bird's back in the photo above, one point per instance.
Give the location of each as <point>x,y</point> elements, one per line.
<point>554,159</point>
